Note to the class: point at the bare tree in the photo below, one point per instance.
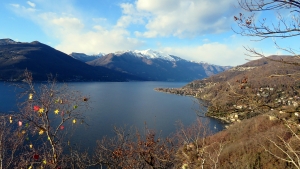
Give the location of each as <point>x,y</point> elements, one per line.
<point>48,115</point>
<point>287,24</point>
<point>131,149</point>
<point>286,145</point>
<point>287,13</point>
<point>12,139</point>
<point>197,150</point>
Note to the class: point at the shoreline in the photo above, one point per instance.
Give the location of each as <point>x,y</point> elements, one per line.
<point>177,91</point>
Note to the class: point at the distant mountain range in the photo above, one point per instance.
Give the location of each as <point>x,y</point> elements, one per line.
<point>43,60</point>
<point>153,65</point>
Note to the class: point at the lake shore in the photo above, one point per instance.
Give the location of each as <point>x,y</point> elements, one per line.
<point>192,93</point>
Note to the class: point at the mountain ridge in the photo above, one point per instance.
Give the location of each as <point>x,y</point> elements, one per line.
<point>240,90</point>
<point>84,57</point>
<point>42,60</point>
<point>157,65</point>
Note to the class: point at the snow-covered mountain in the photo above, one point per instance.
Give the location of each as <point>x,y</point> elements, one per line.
<point>157,66</point>
<point>151,54</point>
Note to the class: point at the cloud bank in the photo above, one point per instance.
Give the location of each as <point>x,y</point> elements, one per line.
<point>140,23</point>
<point>182,18</point>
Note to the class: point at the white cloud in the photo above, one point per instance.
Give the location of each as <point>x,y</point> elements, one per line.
<point>31,4</point>
<point>186,18</point>
<point>99,20</point>
<point>205,40</point>
<point>158,6</point>
<point>15,5</point>
<point>75,38</point>
<point>74,35</point>
<point>21,10</point>
<point>98,40</point>
<point>67,23</point>
<point>130,16</point>
<point>215,53</point>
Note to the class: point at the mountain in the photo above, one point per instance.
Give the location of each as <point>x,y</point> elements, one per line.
<point>156,66</point>
<point>260,100</point>
<point>250,89</point>
<point>86,58</point>
<point>7,42</point>
<point>43,60</point>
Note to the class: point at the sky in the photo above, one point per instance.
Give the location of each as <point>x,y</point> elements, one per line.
<point>197,30</point>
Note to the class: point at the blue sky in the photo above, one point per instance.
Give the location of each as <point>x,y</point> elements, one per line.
<point>198,30</point>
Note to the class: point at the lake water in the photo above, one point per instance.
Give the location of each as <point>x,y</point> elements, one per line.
<point>125,103</point>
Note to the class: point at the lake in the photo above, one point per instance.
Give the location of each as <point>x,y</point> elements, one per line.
<point>125,103</point>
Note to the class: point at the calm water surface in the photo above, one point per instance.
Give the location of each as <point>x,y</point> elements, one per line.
<point>125,103</point>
